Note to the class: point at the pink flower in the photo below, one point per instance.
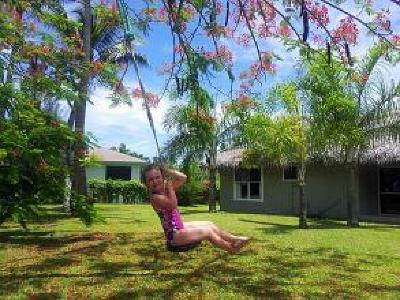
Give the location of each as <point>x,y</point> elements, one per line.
<point>264,31</point>
<point>244,39</point>
<point>347,31</point>
<point>396,40</point>
<point>152,99</point>
<point>383,21</point>
<point>318,14</point>
<point>284,30</point>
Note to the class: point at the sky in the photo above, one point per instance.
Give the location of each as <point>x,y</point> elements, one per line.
<point>129,125</point>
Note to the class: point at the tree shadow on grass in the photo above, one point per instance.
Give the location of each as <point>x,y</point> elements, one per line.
<point>43,296</point>
<point>271,227</point>
<point>50,215</point>
<point>263,276</point>
<point>276,228</point>
<point>194,212</point>
<point>145,269</point>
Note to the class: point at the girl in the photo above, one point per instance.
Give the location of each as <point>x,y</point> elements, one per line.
<point>182,235</point>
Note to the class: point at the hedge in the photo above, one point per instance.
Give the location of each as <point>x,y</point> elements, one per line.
<point>118,191</point>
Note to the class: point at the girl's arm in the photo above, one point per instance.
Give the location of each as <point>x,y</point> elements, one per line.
<point>178,178</point>
<point>167,201</point>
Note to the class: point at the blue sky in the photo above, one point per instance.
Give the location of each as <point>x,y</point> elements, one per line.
<point>129,125</point>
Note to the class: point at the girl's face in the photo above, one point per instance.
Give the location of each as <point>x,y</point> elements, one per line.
<point>154,181</point>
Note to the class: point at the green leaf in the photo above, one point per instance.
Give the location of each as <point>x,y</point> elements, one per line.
<point>3,153</point>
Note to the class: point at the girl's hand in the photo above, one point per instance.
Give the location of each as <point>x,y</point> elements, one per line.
<point>169,185</point>
<point>164,168</point>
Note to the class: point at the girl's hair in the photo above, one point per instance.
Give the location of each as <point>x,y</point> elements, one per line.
<point>149,168</point>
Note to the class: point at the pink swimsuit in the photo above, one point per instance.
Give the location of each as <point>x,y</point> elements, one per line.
<point>171,222</point>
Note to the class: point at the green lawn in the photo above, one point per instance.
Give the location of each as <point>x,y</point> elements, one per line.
<point>125,259</point>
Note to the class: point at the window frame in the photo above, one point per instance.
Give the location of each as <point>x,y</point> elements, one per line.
<point>261,182</point>
<point>107,172</point>
<point>290,180</point>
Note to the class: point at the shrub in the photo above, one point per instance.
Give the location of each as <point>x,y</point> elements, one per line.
<point>32,169</point>
<point>190,193</point>
<point>109,191</point>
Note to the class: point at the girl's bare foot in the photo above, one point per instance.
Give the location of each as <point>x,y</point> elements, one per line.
<point>240,242</point>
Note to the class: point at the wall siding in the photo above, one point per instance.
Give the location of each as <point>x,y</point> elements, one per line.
<point>279,196</point>
<point>369,190</point>
<point>96,173</point>
<point>325,192</point>
<point>100,172</point>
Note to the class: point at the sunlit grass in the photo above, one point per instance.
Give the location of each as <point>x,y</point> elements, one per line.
<point>125,258</point>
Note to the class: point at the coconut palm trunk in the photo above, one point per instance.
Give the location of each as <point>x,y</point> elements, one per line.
<point>302,200</point>
<point>352,199</point>
<point>78,170</point>
<point>212,201</point>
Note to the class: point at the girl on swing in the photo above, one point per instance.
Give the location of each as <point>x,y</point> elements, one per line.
<point>182,236</point>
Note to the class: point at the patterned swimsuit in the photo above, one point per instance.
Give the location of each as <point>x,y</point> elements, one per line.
<point>171,222</point>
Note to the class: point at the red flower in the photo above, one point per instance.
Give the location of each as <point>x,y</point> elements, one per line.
<point>347,31</point>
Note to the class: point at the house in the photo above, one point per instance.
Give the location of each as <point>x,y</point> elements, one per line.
<point>266,188</point>
<point>114,165</point>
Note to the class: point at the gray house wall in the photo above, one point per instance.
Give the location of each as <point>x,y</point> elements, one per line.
<point>369,186</point>
<point>226,198</point>
<point>326,193</point>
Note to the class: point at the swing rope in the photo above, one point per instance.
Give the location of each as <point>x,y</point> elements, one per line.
<point>129,38</point>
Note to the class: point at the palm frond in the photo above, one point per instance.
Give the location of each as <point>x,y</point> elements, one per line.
<point>384,107</point>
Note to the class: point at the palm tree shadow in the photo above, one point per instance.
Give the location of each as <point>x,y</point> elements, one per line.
<point>276,228</point>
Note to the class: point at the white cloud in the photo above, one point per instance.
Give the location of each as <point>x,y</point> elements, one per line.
<point>124,124</point>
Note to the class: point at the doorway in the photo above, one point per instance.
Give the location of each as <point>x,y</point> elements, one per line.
<point>389,190</point>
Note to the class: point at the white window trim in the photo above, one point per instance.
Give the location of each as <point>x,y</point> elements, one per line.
<point>248,199</point>
<point>289,180</point>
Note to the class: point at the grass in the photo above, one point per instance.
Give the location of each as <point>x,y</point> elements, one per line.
<point>125,258</point>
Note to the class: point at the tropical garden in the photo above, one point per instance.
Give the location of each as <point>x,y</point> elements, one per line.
<point>221,80</point>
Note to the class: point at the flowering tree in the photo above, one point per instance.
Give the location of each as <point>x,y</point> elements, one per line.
<point>31,140</point>
<point>204,33</point>
<point>41,58</point>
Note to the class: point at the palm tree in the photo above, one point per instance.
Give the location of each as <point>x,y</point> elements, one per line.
<point>102,37</point>
<point>195,138</point>
<point>350,108</point>
<point>375,100</point>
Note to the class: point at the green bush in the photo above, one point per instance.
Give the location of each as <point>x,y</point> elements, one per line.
<point>109,191</point>
<point>190,193</point>
<point>32,169</point>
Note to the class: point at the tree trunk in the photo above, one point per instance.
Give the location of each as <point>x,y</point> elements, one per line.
<point>302,201</point>
<point>212,201</point>
<point>8,79</point>
<point>352,199</point>
<point>68,162</point>
<point>79,172</point>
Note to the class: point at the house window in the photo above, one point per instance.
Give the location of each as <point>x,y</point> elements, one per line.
<point>290,173</point>
<point>118,172</point>
<point>247,184</point>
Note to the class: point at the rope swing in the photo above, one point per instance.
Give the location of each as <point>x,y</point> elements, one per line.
<point>129,37</point>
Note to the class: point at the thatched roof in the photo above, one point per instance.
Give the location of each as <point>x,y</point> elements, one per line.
<point>229,158</point>
<point>377,153</point>
<point>382,153</point>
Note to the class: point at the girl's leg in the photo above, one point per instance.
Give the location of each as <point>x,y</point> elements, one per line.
<point>207,224</point>
<point>190,235</point>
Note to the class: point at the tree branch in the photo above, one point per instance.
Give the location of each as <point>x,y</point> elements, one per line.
<point>360,21</point>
